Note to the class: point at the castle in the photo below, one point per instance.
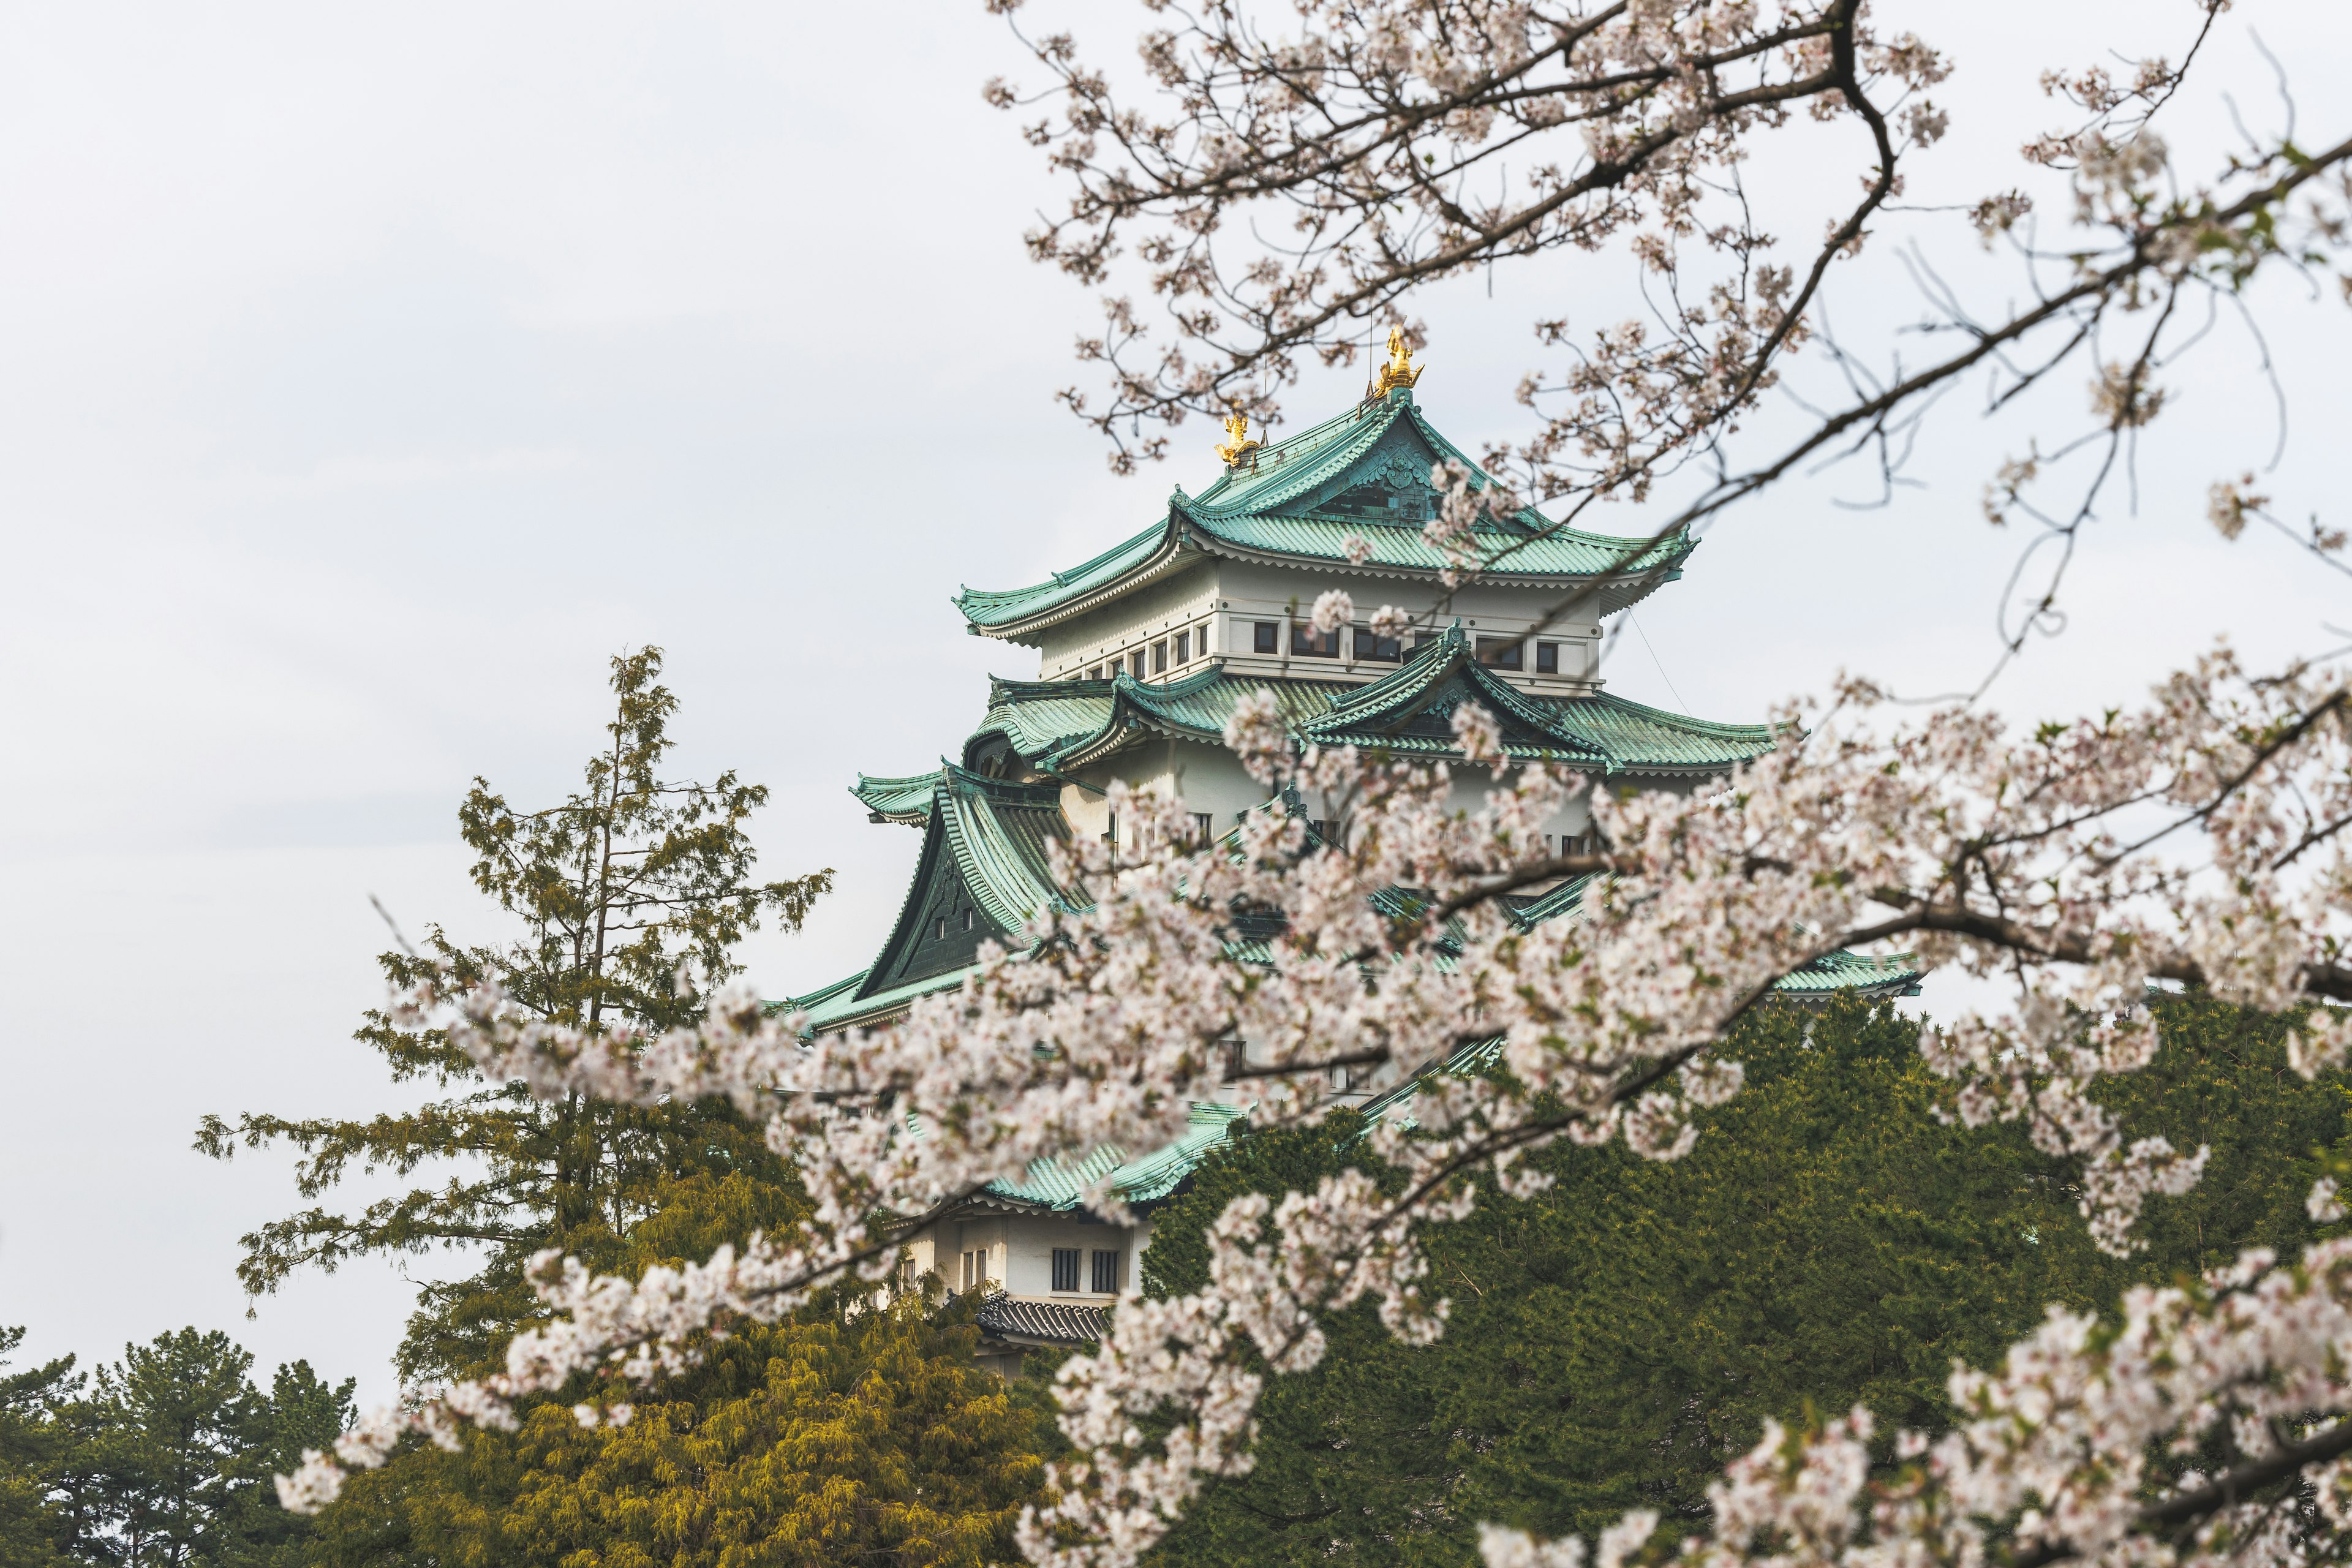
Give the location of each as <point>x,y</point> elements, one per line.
<point>1142,653</point>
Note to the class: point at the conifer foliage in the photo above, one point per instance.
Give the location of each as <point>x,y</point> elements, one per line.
<point>1616,1341</point>
<point>162,1460</point>
<point>631,895</point>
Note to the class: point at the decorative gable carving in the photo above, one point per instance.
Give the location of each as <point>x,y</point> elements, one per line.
<point>1388,484</point>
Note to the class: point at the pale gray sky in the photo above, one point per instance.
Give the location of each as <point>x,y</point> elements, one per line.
<point>368,376</point>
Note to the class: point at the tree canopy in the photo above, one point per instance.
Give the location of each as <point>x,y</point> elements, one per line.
<point>629,896</point>
<point>162,1459</point>
<point>1614,1342</point>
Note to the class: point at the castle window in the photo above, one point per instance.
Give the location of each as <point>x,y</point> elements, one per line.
<point>1159,656</point>
<point>1106,1273</point>
<point>1135,664</point>
<point>1386,649</point>
<point>940,928</point>
<point>1546,659</point>
<point>1236,1059</point>
<point>1095,674</point>
<point>1184,647</point>
<point>1203,827</point>
<point>974,1271</point>
<point>1501,653</point>
<point>967,920</point>
<point>1268,638</point>
<point>1307,643</point>
<point>1066,1268</point>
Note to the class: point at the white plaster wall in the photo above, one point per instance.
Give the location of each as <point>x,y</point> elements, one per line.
<point>1221,602</point>
<point>1248,593</point>
<point>1029,1266</point>
<point>1020,1249</point>
<point>1151,613</point>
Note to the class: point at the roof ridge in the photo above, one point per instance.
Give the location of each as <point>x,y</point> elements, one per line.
<point>1260,491</point>
<point>1002,687</point>
<point>1288,449</point>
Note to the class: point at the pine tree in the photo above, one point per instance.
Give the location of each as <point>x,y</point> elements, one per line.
<point>1614,1342</point>
<point>631,895</point>
<point>164,1460</point>
<point>34,1521</point>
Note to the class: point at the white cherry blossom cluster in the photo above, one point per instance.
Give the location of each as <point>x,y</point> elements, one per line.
<point>2175,1437</point>
<point>2196,839</point>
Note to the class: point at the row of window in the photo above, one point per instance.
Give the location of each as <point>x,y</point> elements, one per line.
<point>1103,1267</point>
<point>1103,1279</point>
<point>1204,827</point>
<point>1265,637</point>
<point>1158,658</point>
<point>1306,642</point>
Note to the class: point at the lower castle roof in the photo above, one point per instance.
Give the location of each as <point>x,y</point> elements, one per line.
<point>1058,726</point>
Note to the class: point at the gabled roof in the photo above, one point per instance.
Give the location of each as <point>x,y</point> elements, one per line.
<point>984,869</point>
<point>1057,1185</point>
<point>1194,708</point>
<point>1405,710</point>
<point>1038,716</point>
<point>1410,711</point>
<point>1363,474</point>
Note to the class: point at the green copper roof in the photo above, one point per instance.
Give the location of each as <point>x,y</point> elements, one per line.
<point>843,1006</point>
<point>906,800</point>
<point>1892,974</point>
<point>984,868</point>
<point>1057,1184</point>
<point>1195,708</point>
<point>986,607</point>
<point>1366,473</point>
<point>1038,716</point>
<point>999,833</point>
<point>1404,710</point>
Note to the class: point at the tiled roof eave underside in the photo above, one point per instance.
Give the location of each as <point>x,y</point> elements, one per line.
<point>904,800</point>
<point>1600,732</point>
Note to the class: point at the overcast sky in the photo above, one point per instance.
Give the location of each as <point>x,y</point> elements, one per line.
<point>372,374</point>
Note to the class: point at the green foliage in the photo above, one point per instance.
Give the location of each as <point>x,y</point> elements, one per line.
<point>1614,1342</point>
<point>841,1435</point>
<point>631,896</point>
<point>163,1461</point>
<point>34,1458</point>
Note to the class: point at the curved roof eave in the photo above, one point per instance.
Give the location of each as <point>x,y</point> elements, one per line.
<point>1136,706</point>
<point>1165,557</point>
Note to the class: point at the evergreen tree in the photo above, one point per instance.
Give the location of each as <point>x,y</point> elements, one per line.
<point>631,895</point>
<point>177,1423</point>
<point>1615,1341</point>
<point>164,1460</point>
<point>34,1447</point>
